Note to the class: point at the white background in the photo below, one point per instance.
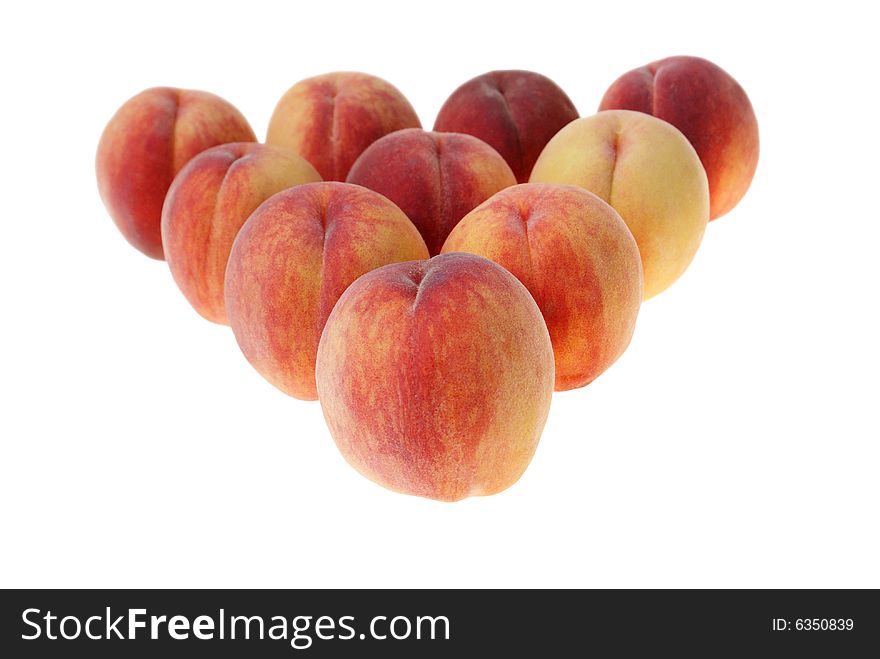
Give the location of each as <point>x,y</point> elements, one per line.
<point>734,444</point>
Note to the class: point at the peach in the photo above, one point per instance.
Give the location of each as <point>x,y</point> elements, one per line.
<point>435,377</point>
<point>149,139</point>
<point>208,203</point>
<point>515,112</point>
<point>706,104</point>
<point>576,257</point>
<point>435,178</point>
<point>330,119</point>
<point>648,171</point>
<point>292,260</point>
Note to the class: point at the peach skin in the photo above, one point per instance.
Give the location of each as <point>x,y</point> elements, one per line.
<point>648,171</point>
<point>208,203</point>
<point>515,112</point>
<point>149,139</point>
<point>292,260</point>
<point>706,104</point>
<point>435,377</point>
<point>330,119</point>
<point>576,257</point>
<point>435,178</point>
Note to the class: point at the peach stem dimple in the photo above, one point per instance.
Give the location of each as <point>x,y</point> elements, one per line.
<point>418,276</point>
<point>525,215</point>
<point>615,153</point>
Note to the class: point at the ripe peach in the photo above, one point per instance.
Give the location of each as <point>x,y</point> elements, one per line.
<point>149,139</point>
<point>208,203</point>
<point>706,104</point>
<point>435,178</point>
<point>515,112</point>
<point>576,257</point>
<point>435,376</point>
<point>648,171</point>
<point>330,119</point>
<point>292,260</point>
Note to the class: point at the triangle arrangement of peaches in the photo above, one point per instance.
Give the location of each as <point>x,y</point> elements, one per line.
<point>432,288</point>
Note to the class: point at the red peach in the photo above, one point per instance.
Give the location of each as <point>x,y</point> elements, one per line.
<point>515,112</point>
<point>208,203</point>
<point>292,260</point>
<point>706,104</point>
<point>149,139</point>
<point>577,258</point>
<point>330,119</point>
<point>435,178</point>
<point>435,377</point>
